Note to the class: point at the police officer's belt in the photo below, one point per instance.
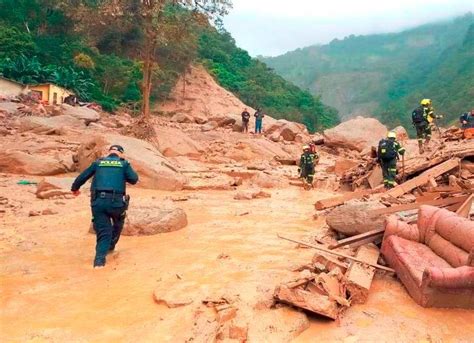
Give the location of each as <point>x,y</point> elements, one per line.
<point>108,194</point>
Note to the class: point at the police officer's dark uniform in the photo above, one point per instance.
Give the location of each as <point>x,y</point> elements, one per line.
<point>108,198</point>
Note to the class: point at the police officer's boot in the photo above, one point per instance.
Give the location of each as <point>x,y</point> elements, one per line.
<point>99,262</point>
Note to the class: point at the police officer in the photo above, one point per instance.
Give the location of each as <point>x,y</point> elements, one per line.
<point>387,153</point>
<point>108,198</point>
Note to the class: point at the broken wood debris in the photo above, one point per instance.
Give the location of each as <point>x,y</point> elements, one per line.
<point>324,250</point>
<point>365,237</point>
<point>339,200</point>
<point>359,276</point>
<point>423,178</point>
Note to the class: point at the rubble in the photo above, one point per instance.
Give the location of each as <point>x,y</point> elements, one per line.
<point>358,134</point>
<point>152,219</point>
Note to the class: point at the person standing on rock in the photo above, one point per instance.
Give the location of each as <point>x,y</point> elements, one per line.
<point>259,120</point>
<point>467,120</point>
<point>422,117</point>
<point>245,121</point>
<point>109,201</point>
<point>388,154</point>
<point>306,167</point>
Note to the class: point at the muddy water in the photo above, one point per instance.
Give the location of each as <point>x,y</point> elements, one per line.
<point>51,293</point>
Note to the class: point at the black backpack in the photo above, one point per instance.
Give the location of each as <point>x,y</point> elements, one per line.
<point>418,115</point>
<point>386,149</point>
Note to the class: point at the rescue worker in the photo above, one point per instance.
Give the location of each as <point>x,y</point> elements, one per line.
<point>422,117</point>
<point>259,120</point>
<point>307,164</point>
<point>109,201</point>
<point>388,153</point>
<point>245,121</point>
<point>467,120</point>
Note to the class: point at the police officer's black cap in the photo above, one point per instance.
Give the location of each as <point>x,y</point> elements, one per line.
<point>119,148</point>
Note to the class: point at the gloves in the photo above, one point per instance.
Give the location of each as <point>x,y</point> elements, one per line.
<point>76,193</point>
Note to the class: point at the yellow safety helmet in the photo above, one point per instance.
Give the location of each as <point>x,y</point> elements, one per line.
<point>425,102</point>
<point>306,147</point>
<point>391,134</point>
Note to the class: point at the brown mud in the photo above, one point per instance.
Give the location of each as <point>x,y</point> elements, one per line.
<point>50,293</point>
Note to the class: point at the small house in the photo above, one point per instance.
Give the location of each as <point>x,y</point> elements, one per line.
<point>50,93</point>
<point>10,88</point>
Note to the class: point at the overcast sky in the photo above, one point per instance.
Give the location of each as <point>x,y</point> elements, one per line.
<point>273,27</point>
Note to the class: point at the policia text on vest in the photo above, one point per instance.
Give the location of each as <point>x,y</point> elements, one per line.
<point>109,200</point>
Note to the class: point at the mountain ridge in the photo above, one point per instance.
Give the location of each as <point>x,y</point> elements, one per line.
<point>383,75</point>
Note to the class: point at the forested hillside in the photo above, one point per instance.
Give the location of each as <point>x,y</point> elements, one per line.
<point>386,75</point>
<point>42,41</point>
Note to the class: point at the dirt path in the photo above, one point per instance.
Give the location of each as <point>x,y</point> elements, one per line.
<point>51,293</point>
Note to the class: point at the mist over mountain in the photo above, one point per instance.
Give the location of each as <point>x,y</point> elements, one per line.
<point>385,75</point>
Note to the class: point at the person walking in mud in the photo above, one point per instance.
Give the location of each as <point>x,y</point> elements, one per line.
<point>259,120</point>
<point>245,121</point>
<point>307,166</point>
<point>109,200</point>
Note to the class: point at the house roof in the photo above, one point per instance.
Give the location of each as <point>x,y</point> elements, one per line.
<point>10,80</point>
<point>51,84</point>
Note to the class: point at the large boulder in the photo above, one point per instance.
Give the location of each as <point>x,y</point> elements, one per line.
<point>174,142</point>
<point>154,170</point>
<point>19,162</point>
<point>49,124</point>
<point>152,219</point>
<point>354,218</point>
<point>286,129</point>
<point>9,107</point>
<point>182,118</point>
<point>209,126</point>
<point>85,114</point>
<point>358,134</point>
<point>50,187</point>
<point>224,120</point>
<point>402,134</point>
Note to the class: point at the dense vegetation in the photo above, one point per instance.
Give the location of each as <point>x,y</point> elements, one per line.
<point>41,42</point>
<point>257,85</point>
<point>386,75</point>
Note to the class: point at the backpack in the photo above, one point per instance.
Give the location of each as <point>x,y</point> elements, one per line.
<point>387,150</point>
<point>308,159</point>
<point>418,115</point>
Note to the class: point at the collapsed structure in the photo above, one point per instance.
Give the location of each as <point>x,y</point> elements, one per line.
<point>422,226</point>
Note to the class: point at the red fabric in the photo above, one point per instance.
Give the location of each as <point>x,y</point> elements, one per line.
<point>394,226</point>
<point>424,256</point>
<point>455,256</point>
<point>462,277</point>
<point>456,229</point>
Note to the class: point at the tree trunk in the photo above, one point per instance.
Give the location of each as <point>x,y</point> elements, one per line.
<point>184,86</point>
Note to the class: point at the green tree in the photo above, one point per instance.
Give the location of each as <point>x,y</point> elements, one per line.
<point>147,20</point>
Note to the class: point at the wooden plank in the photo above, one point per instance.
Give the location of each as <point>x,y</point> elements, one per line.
<point>446,189</point>
<point>359,277</point>
<point>432,182</point>
<point>428,197</point>
<point>357,238</point>
<point>339,200</point>
<point>423,178</point>
<point>416,205</point>
<point>375,240</point>
<point>352,258</point>
<point>465,208</point>
<point>314,302</point>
